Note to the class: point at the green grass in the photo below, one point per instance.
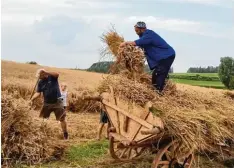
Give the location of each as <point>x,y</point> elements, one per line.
<point>87,152</point>
<point>81,155</point>
<point>184,78</point>
<point>209,84</point>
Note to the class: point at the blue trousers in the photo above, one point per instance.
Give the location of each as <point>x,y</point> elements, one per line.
<point>160,73</point>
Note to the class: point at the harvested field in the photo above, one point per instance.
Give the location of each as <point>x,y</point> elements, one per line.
<point>24,140</point>
<point>28,139</point>
<point>17,83</point>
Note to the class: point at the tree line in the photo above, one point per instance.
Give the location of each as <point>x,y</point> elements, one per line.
<point>209,69</point>
<point>104,67</point>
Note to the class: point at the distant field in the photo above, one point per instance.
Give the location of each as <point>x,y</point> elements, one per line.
<point>201,74</point>
<point>211,84</point>
<point>198,79</point>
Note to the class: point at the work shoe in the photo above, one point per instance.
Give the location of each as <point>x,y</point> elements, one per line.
<point>65,135</point>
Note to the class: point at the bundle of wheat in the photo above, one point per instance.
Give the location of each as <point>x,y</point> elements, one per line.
<point>132,58</point>
<point>77,104</point>
<point>127,57</point>
<point>20,90</point>
<point>133,91</point>
<point>127,89</point>
<point>201,118</point>
<point>201,130</point>
<point>23,139</point>
<point>112,40</point>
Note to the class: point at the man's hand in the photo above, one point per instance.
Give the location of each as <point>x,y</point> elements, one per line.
<point>35,96</point>
<point>54,74</point>
<point>41,72</point>
<point>123,44</point>
<point>127,42</point>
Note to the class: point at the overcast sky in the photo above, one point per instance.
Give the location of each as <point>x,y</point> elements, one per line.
<point>65,33</point>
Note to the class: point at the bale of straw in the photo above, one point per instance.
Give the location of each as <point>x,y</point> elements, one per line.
<point>23,139</point>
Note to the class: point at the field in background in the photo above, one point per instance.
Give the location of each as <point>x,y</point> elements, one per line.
<point>201,74</point>
<point>210,80</point>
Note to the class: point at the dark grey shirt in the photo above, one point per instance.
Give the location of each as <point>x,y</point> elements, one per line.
<point>50,89</point>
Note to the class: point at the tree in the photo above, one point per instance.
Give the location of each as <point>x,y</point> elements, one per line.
<point>226,71</point>
<point>32,62</point>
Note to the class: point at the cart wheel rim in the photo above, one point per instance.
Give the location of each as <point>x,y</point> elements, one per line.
<point>162,159</point>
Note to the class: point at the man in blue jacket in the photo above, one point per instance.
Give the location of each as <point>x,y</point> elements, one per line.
<point>159,54</point>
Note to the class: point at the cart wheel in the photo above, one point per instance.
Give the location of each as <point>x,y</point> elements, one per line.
<point>124,153</point>
<point>171,156</point>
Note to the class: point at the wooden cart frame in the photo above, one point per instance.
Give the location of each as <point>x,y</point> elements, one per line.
<point>135,130</point>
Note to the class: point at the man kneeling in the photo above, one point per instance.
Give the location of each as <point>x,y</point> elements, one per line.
<point>49,86</point>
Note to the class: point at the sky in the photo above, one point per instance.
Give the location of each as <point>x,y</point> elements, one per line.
<point>66,33</point>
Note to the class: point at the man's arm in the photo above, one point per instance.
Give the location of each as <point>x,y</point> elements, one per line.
<point>36,95</point>
<point>145,40</point>
<point>54,74</point>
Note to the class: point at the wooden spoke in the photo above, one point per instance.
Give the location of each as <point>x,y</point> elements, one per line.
<point>124,153</point>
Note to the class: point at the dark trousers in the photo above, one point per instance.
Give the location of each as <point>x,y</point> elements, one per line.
<point>160,73</point>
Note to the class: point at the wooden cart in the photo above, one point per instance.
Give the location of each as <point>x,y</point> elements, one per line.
<point>134,130</point>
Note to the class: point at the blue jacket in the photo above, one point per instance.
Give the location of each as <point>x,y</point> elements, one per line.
<point>155,47</point>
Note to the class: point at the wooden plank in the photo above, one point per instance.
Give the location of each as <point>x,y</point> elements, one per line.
<point>111,113</point>
<point>116,103</point>
<point>151,131</point>
<point>144,115</point>
<point>117,113</point>
<point>137,119</point>
<point>125,126</point>
<point>121,139</point>
<point>118,137</point>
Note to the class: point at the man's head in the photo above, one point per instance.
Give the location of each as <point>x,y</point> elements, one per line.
<point>41,73</point>
<point>63,86</point>
<point>140,27</point>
